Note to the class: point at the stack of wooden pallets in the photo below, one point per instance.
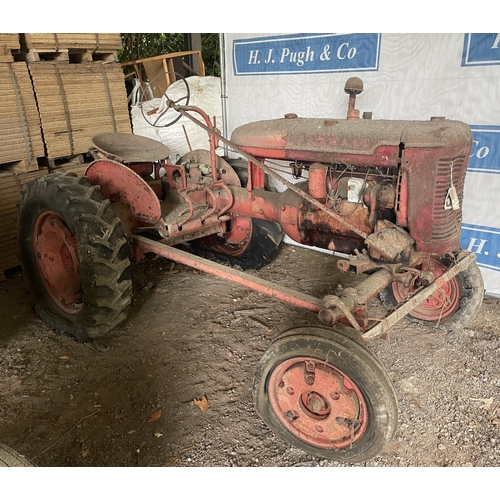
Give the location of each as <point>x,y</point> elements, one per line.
<point>57,90</point>
<point>79,88</point>
<point>20,133</point>
<point>9,42</point>
<point>11,185</point>
<point>78,101</point>
<point>73,47</point>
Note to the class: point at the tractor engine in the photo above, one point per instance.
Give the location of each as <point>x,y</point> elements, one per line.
<point>375,176</point>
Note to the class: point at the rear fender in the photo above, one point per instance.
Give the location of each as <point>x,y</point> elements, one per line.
<point>120,184</point>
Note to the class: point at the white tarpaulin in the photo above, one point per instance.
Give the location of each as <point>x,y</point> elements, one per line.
<point>406,76</point>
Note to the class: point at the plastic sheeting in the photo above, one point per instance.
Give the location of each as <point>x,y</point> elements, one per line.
<point>205,93</point>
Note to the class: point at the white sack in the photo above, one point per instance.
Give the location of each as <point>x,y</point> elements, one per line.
<point>205,93</point>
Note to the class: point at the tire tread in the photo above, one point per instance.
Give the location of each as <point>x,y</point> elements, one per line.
<point>102,247</point>
<point>11,458</point>
<point>358,363</point>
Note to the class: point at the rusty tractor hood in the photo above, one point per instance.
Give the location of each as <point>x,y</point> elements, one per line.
<point>338,141</point>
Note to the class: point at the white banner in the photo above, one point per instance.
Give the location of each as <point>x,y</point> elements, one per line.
<point>406,77</point>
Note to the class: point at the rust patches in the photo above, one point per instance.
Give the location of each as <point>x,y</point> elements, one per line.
<point>121,184</point>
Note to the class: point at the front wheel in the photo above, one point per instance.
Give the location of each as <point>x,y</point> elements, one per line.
<point>325,393</point>
<point>11,458</point>
<point>74,255</point>
<point>452,306</point>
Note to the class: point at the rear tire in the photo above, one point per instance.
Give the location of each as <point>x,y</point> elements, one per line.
<point>240,166</point>
<point>262,245</point>
<point>324,392</point>
<point>74,255</point>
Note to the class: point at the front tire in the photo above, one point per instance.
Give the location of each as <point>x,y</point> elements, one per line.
<point>11,458</point>
<point>453,306</point>
<point>325,393</point>
<point>74,255</point>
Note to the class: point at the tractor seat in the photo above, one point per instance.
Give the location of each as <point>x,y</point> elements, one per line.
<point>130,148</point>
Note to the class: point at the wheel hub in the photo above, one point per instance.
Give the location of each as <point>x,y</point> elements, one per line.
<point>56,253</point>
<point>318,403</point>
<point>441,303</point>
<point>315,405</point>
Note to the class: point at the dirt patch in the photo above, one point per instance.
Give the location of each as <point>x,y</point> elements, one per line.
<point>172,385</point>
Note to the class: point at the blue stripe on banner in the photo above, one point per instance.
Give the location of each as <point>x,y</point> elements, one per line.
<point>485,153</point>
<point>481,49</point>
<point>306,53</point>
<point>484,241</point>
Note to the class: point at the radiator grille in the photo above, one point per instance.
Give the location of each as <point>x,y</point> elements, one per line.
<point>447,223</point>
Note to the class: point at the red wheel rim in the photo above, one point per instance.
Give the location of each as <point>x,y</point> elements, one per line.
<point>441,303</point>
<point>56,254</point>
<point>237,239</point>
<point>318,403</point>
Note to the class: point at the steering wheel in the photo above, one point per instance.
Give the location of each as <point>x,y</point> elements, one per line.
<point>160,116</point>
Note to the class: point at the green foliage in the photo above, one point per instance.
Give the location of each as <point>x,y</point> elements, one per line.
<point>210,52</point>
<point>143,45</point>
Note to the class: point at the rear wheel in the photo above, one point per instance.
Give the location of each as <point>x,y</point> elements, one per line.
<point>452,306</point>
<point>325,393</point>
<point>240,166</point>
<point>74,255</point>
<point>248,243</point>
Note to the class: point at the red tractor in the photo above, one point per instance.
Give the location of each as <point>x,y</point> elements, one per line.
<point>386,193</point>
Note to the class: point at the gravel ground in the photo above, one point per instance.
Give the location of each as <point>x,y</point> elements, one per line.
<point>171,387</point>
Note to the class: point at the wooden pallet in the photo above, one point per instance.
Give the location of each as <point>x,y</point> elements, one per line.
<point>57,41</point>
<point>11,185</point>
<point>67,161</point>
<point>21,140</point>
<point>68,55</point>
<point>78,101</point>
<point>75,169</point>
<point>52,55</point>
<point>8,42</point>
<point>20,166</point>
